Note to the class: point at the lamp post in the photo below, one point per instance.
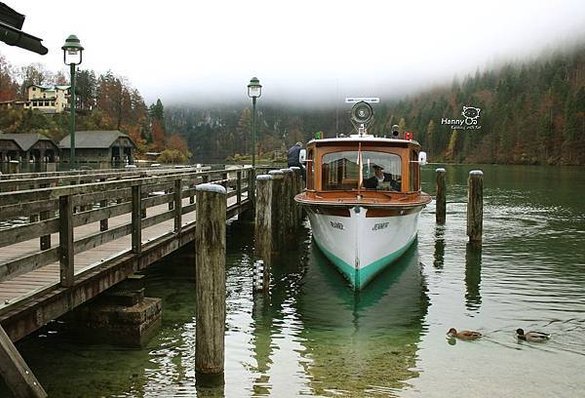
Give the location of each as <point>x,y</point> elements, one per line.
<point>254,92</point>
<point>72,56</point>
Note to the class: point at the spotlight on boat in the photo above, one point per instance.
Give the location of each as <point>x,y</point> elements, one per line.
<point>361,114</point>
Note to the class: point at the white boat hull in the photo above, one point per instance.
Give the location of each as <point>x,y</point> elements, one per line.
<point>362,246</point>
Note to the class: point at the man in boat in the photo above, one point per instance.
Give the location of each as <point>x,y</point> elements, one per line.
<point>381,180</point>
<point>293,157</point>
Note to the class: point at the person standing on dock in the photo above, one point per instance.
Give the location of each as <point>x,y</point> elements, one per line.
<point>293,157</point>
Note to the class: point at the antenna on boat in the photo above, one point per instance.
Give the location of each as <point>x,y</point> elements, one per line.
<point>362,113</point>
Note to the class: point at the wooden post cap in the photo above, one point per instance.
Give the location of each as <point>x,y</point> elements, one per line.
<point>276,174</point>
<point>211,188</point>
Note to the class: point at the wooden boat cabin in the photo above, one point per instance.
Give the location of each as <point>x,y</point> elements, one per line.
<point>364,168</point>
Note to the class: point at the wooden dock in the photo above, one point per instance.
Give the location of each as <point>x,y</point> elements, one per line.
<point>65,238</point>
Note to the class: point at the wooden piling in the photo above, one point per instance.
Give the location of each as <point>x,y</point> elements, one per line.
<point>287,202</point>
<point>297,188</point>
<point>15,372</point>
<point>441,200</point>
<point>210,248</point>
<point>278,215</point>
<point>263,230</point>
<point>475,206</point>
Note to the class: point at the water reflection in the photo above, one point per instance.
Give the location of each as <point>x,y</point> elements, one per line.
<point>364,342</point>
<point>439,254</point>
<point>262,343</point>
<point>472,276</point>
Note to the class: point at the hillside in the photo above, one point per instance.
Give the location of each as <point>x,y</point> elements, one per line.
<point>529,113</point>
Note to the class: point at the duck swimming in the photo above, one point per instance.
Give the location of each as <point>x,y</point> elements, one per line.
<point>537,337</point>
<point>464,334</point>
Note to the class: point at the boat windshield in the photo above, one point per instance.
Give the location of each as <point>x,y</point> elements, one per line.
<point>380,170</point>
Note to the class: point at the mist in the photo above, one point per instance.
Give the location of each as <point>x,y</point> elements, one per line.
<point>304,52</point>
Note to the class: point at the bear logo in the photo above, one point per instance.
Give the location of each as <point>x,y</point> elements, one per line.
<point>471,114</point>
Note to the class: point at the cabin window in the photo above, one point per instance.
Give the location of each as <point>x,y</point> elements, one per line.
<point>341,171</point>
<point>414,171</point>
<point>389,178</point>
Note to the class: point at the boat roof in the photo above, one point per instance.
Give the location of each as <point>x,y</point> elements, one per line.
<point>368,139</point>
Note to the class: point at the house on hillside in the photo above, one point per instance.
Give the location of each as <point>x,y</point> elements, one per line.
<point>109,146</point>
<point>45,99</point>
<point>48,99</point>
<point>27,148</point>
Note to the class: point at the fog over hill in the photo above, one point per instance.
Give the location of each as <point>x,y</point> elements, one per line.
<point>303,51</point>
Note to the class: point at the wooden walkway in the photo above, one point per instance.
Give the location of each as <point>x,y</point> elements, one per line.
<point>62,244</point>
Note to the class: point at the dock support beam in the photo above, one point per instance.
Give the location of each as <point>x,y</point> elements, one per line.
<point>15,372</point>
<point>441,200</point>
<point>475,206</point>
<point>210,248</point>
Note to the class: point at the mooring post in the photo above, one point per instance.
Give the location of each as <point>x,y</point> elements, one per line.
<point>15,372</point>
<point>278,215</point>
<point>263,230</point>
<point>475,206</point>
<point>210,248</point>
<point>441,199</point>
<point>287,206</point>
<point>297,188</point>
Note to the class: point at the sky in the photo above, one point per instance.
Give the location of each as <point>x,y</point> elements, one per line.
<point>303,51</point>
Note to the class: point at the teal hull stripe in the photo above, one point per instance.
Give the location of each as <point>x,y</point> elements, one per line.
<point>360,278</point>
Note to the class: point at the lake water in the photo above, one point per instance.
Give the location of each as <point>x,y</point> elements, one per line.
<point>313,337</point>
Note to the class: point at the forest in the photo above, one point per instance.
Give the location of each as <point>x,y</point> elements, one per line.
<point>529,112</point>
<point>104,102</point>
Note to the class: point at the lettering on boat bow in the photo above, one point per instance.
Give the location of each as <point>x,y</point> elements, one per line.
<point>336,225</point>
<point>380,225</point>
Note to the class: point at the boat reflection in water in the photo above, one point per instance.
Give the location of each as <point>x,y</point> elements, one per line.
<point>361,342</point>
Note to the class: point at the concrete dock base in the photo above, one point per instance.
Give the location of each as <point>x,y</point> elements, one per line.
<point>121,317</point>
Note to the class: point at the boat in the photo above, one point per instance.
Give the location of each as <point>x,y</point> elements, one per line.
<point>363,196</point>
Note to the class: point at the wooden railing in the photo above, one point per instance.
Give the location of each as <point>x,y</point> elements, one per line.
<point>59,204</point>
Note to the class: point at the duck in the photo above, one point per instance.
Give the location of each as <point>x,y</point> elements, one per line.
<point>537,337</point>
<point>464,334</point>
